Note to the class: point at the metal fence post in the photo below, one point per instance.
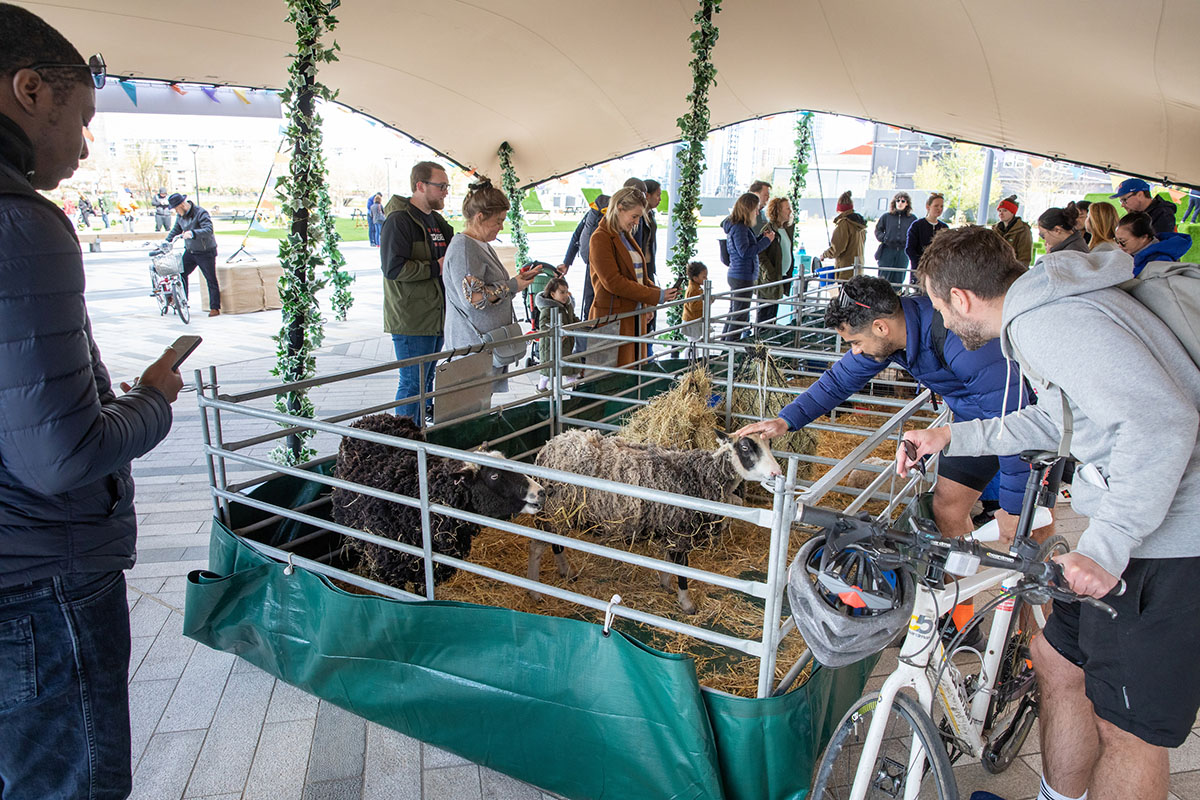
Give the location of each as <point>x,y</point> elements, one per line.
<point>222,481</point>
<point>426,527</point>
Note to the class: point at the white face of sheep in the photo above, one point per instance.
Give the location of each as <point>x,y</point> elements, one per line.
<point>751,457</point>
<point>508,492</point>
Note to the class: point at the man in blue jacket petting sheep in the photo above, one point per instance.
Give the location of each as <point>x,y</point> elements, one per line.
<point>884,329</point>
<point>67,523</point>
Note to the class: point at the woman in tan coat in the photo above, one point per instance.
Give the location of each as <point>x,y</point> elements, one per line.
<point>618,273</point>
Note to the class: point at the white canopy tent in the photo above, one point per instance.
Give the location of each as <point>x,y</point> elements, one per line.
<point>568,84</point>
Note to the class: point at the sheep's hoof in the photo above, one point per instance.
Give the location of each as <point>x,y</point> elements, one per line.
<point>685,602</point>
<point>534,596</point>
<point>667,581</point>
<point>564,569</point>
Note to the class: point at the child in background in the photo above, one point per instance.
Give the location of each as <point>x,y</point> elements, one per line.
<point>556,294</point>
<point>693,311</point>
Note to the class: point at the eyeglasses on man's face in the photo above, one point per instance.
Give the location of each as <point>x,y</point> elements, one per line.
<point>445,187</point>
<point>95,66</point>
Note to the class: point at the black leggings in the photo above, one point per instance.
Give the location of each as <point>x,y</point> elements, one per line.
<point>207,262</point>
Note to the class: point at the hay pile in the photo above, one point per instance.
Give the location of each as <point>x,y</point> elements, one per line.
<point>742,554</point>
<point>680,418</point>
<point>763,370</point>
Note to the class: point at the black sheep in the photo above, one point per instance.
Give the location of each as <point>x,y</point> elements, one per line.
<point>458,484</point>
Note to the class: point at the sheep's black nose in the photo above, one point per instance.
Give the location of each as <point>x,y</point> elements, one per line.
<point>541,497</point>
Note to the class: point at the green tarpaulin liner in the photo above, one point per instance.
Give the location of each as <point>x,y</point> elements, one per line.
<point>547,700</point>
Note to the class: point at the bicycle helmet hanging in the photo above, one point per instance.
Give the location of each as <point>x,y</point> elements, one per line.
<point>844,605</point>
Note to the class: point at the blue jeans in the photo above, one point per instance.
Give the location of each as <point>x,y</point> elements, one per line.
<point>64,697</point>
<point>410,381</point>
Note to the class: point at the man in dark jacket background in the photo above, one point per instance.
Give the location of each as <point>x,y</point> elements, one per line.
<point>162,211</point>
<point>200,246</point>
<point>67,522</point>
<point>1134,195</point>
<point>412,245</point>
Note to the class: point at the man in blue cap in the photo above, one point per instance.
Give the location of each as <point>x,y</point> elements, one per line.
<point>1135,196</point>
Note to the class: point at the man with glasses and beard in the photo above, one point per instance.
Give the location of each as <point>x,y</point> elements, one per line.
<point>412,244</point>
<point>884,329</point>
<point>68,527</point>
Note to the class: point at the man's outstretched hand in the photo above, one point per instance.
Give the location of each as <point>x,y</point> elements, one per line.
<point>769,428</point>
<point>160,376</point>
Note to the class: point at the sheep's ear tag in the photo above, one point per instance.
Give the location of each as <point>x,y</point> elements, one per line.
<point>609,615</point>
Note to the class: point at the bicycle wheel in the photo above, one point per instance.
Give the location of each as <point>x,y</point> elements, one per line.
<point>1013,710</point>
<point>909,729</point>
<point>180,300</point>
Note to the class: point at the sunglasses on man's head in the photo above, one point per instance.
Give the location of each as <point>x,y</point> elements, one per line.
<point>95,66</point>
<point>845,301</point>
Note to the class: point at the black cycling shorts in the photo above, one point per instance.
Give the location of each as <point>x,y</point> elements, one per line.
<point>975,472</point>
<point>1140,668</point>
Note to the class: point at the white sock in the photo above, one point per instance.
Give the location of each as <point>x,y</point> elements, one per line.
<point>1046,793</point>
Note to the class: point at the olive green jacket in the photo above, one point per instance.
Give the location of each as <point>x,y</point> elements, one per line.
<point>414,302</point>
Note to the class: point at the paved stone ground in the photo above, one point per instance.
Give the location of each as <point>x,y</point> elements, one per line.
<point>206,724</point>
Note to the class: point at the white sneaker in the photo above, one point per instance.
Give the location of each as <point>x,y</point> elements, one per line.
<point>543,383</point>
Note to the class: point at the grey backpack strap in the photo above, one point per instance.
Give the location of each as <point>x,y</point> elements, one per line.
<point>1068,419</point>
<point>1068,423</point>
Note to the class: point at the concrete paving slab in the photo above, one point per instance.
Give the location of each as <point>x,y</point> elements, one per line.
<point>289,703</point>
<point>199,691</point>
<point>280,760</point>
<point>393,765</point>
<point>224,762</point>
<point>339,745</point>
<point>453,783</point>
<point>164,769</point>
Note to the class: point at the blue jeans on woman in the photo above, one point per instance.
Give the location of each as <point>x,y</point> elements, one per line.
<point>410,381</point>
<point>64,696</point>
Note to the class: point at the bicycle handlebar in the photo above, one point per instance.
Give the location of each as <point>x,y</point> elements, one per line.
<point>1044,580</point>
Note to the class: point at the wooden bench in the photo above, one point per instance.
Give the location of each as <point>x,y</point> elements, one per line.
<point>245,286</point>
<point>95,238</point>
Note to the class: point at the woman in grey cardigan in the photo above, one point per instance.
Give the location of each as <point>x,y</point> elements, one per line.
<point>479,291</point>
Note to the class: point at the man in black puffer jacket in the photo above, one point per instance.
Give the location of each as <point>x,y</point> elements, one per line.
<point>67,523</point>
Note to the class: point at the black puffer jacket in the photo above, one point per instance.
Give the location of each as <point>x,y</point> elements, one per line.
<point>66,440</point>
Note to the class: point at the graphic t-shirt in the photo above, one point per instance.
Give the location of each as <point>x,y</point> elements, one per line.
<point>434,233</point>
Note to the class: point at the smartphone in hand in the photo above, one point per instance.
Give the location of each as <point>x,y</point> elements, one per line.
<point>183,347</point>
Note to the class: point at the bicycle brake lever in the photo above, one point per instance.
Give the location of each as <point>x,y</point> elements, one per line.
<point>1100,604</point>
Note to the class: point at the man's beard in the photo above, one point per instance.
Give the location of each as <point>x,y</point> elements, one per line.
<point>437,203</point>
<point>971,333</point>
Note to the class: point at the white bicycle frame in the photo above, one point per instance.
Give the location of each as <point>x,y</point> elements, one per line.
<point>920,662</point>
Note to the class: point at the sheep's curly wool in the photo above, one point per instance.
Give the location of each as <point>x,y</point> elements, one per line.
<point>394,469</point>
<point>698,473</point>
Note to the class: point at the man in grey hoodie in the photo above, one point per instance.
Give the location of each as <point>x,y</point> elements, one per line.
<point>1115,693</point>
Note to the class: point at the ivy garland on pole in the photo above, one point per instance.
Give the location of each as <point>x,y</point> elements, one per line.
<point>694,130</point>
<point>312,240</point>
<point>800,162</point>
<point>508,179</point>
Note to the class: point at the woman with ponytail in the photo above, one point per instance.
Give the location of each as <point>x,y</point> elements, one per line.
<point>479,291</point>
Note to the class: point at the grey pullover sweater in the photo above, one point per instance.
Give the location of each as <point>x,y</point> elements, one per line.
<point>1134,395</point>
